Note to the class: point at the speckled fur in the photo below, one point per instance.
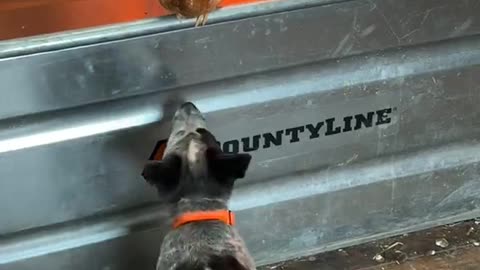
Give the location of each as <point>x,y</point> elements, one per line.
<point>198,177</point>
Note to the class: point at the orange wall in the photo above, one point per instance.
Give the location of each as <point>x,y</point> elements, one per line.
<point>21,18</point>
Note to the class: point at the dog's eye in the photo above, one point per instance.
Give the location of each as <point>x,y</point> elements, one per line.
<point>180,133</point>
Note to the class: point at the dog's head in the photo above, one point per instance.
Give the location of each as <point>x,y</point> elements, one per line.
<point>193,165</point>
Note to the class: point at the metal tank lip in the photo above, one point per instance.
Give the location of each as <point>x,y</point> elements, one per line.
<point>88,36</point>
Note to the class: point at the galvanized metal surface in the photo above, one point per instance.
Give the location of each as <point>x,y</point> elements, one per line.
<point>112,32</point>
<point>26,18</point>
<point>78,123</point>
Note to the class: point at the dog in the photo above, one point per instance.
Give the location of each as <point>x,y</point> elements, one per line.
<point>196,178</point>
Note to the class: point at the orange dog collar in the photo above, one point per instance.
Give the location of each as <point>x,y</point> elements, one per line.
<point>225,216</point>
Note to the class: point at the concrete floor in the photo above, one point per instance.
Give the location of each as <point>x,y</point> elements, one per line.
<point>451,247</point>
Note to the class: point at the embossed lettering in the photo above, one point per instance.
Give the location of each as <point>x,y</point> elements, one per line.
<point>331,130</point>
<point>269,139</point>
<point>254,146</point>
<point>314,130</point>
<point>366,121</point>
<point>383,116</point>
<point>294,132</point>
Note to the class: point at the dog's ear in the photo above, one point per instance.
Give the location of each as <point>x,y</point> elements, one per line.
<point>225,262</point>
<point>163,174</point>
<point>225,165</point>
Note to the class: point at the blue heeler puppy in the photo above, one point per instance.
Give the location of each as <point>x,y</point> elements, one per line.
<point>197,178</point>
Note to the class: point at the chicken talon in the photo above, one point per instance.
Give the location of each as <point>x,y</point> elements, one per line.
<point>205,18</point>
<point>180,17</point>
<point>198,21</point>
<point>191,9</point>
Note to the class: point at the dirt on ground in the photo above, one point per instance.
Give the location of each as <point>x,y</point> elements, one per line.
<point>450,247</point>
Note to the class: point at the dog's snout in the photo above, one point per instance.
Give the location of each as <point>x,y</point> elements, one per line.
<point>189,108</point>
<point>188,117</point>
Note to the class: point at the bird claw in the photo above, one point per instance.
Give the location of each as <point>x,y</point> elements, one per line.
<point>201,20</point>
<point>180,17</point>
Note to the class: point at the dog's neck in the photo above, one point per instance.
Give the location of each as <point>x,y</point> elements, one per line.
<point>200,204</point>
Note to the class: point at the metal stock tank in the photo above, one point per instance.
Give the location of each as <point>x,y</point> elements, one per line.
<point>362,117</point>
